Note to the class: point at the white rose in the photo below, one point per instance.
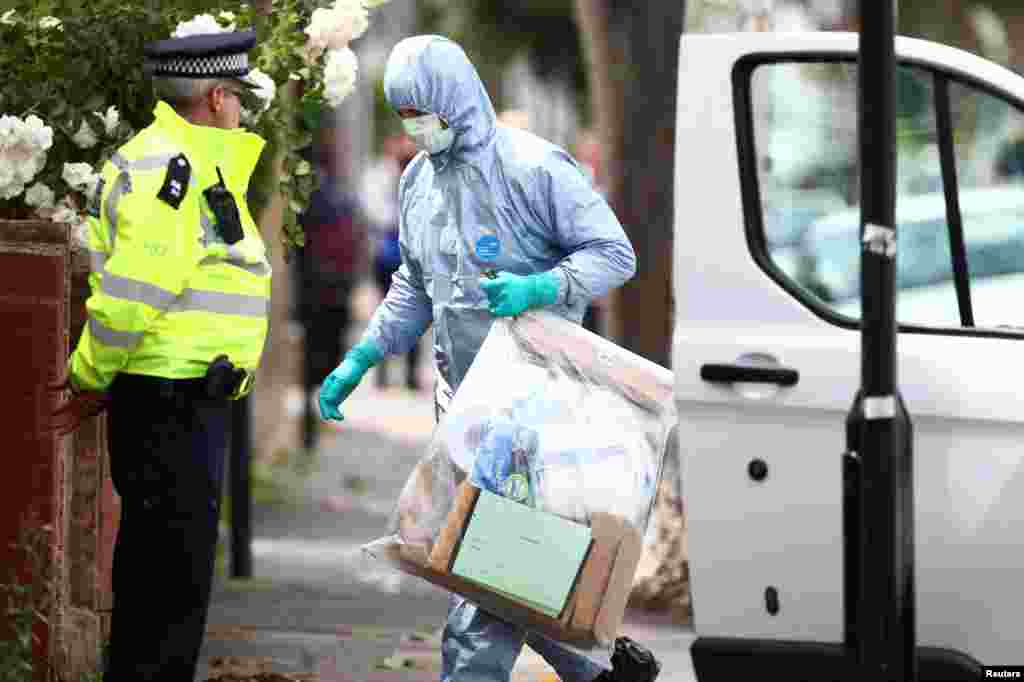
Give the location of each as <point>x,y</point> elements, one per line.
<point>201,24</point>
<point>85,138</point>
<point>266,91</point>
<point>50,22</point>
<point>334,28</point>
<point>23,146</point>
<point>6,173</point>
<point>91,186</point>
<point>8,124</point>
<point>10,183</point>
<point>40,196</point>
<point>40,134</point>
<point>9,191</point>
<point>340,75</point>
<point>353,16</point>
<point>8,18</point>
<point>110,119</point>
<point>78,176</point>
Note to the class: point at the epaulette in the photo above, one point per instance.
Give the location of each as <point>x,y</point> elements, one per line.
<point>175,187</point>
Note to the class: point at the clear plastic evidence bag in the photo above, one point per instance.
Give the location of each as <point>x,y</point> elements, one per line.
<point>533,496</point>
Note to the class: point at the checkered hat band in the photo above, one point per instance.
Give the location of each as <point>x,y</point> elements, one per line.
<point>200,67</point>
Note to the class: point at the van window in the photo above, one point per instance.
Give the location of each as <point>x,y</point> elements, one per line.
<point>803,123</point>
<point>989,135</point>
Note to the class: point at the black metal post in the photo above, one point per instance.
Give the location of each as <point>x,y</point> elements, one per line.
<point>310,417</point>
<point>881,631</point>
<point>241,490</point>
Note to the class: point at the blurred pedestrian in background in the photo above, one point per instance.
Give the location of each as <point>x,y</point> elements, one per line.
<point>379,195</point>
<point>330,263</point>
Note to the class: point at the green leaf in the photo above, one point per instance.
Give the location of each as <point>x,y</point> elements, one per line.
<point>95,102</point>
<point>59,108</point>
<point>312,113</point>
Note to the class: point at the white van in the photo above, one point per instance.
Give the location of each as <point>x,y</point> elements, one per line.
<point>767,354</point>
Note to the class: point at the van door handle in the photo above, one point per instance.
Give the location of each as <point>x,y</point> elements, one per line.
<point>729,374</point>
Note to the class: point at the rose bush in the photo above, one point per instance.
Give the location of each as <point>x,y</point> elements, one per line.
<point>75,90</point>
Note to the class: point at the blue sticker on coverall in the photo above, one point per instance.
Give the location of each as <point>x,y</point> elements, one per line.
<point>488,247</point>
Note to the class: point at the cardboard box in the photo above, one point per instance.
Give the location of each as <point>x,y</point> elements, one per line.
<point>596,604</point>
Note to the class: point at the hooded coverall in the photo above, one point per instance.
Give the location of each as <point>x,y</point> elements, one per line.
<point>498,198</point>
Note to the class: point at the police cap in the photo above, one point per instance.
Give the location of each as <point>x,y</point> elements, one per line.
<point>212,55</point>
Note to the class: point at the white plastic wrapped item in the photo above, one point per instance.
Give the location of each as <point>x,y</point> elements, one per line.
<point>571,431</point>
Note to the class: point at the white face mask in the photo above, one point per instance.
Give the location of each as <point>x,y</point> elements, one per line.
<point>428,134</point>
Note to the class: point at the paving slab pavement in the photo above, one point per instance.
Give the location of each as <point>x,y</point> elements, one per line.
<point>318,609</point>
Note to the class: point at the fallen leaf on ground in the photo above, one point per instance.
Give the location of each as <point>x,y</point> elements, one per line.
<point>227,632</point>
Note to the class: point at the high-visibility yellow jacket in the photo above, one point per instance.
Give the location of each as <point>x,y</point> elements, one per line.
<point>167,294</point>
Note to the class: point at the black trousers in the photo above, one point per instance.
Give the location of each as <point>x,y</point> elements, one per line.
<point>324,350</point>
<point>167,445</point>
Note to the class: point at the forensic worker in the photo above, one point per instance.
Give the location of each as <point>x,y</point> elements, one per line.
<point>177,320</point>
<point>480,198</point>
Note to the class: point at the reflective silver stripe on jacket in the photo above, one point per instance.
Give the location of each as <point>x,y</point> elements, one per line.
<point>221,303</point>
<point>235,256</point>
<point>209,234</point>
<point>198,300</point>
<point>144,164</point>
<point>147,163</point>
<point>136,291</point>
<point>238,261</point>
<point>112,337</point>
<point>122,186</point>
<point>97,261</point>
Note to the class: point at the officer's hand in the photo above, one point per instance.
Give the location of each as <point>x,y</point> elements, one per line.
<point>82,406</point>
<point>510,294</point>
<point>340,383</point>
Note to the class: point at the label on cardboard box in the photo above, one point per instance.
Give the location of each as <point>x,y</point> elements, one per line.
<point>528,555</point>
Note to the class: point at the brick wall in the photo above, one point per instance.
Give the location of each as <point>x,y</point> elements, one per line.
<point>34,287</point>
<point>61,482</point>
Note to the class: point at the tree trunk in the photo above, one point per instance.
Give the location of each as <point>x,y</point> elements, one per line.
<point>280,362</point>
<point>632,50</point>
<point>607,99</point>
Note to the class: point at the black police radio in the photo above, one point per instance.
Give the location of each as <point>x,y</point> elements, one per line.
<point>225,210</point>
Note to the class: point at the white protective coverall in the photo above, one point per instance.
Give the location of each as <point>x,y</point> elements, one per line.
<point>498,198</point>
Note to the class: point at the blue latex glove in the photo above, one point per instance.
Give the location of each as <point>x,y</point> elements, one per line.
<point>340,383</point>
<point>510,294</point>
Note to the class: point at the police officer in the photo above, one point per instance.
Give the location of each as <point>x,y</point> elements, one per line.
<point>177,320</point>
